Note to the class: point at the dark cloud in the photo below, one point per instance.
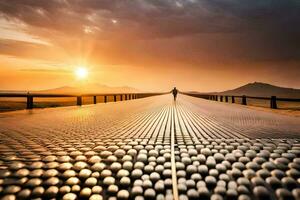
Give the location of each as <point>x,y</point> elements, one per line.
<point>263,30</point>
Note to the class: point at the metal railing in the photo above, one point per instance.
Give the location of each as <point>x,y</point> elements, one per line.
<point>122,96</point>
<point>225,98</point>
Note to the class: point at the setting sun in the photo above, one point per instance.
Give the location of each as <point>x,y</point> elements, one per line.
<point>81,72</point>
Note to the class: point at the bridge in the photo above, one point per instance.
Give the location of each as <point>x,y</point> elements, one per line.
<point>150,148</point>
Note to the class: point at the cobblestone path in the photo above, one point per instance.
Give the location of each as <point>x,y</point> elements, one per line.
<point>150,148</point>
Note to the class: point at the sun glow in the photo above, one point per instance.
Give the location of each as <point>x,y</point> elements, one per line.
<point>81,72</point>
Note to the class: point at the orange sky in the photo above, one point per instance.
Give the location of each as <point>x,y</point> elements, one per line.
<point>150,45</point>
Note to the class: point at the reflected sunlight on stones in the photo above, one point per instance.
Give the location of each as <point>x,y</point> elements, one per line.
<point>89,155</point>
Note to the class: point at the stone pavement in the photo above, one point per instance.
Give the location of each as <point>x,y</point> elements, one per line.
<point>150,148</point>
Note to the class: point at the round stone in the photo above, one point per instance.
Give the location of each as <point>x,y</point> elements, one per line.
<point>119,153</point>
<point>231,194</point>
<point>273,182</point>
<point>98,167</point>
<point>91,181</point>
<point>38,192</point>
<point>113,189</point>
<point>203,170</point>
<point>147,184</point>
<point>109,181</point>
<point>136,173</point>
<point>220,190</point>
<point>210,162</point>
<point>289,183</point>
<point>125,181</point>
<point>219,157</point>
<point>242,189</point>
<point>283,193</point>
<point>149,193</point>
<point>278,173</point>
<point>159,186</point>
<point>206,152</point>
<point>244,197</point>
<point>257,181</point>
<point>263,173</point>
<point>127,165</point>
<point>261,192</point>
<point>154,176</point>
<point>65,189</point>
<point>94,160</point>
<point>85,173</point>
<point>210,181</point>
<point>296,193</point>
<point>51,192</point>
<point>72,181</point>
<point>216,197</point>
<point>203,193</point>
<point>85,192</point>
<point>96,197</point>
<point>181,188</point>
<point>123,194</point>
<point>192,194</point>
<point>115,166</point>
<point>23,194</point>
<point>137,190</point>
<point>69,196</point>
<point>97,189</point>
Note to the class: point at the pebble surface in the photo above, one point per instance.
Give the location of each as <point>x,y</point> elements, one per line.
<point>59,160</point>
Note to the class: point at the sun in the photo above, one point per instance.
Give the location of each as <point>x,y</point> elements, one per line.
<point>81,72</point>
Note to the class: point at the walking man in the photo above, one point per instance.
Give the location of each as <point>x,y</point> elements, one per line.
<point>174,92</point>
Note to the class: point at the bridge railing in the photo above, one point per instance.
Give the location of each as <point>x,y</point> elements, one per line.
<point>244,99</point>
<point>79,97</point>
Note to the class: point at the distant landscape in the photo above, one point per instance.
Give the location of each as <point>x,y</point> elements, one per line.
<point>11,104</point>
<point>251,89</point>
<point>258,89</point>
<point>80,89</point>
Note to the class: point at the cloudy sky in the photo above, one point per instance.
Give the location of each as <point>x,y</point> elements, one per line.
<point>204,45</point>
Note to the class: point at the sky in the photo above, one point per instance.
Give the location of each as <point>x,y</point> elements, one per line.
<point>152,45</point>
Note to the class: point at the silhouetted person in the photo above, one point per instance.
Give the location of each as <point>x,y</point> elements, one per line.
<point>174,92</point>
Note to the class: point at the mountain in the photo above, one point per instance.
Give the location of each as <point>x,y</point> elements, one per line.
<point>13,91</point>
<point>263,90</point>
<point>89,88</point>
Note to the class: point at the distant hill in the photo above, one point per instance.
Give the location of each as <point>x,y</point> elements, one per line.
<point>264,90</point>
<point>81,89</point>
<point>90,88</point>
<point>13,91</point>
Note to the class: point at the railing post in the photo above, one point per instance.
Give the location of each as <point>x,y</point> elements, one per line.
<point>79,100</point>
<point>273,102</point>
<point>226,98</point>
<point>115,98</point>
<point>29,102</point>
<point>232,99</point>
<point>121,97</point>
<point>105,99</point>
<point>221,98</point>
<point>129,96</point>
<point>95,99</point>
<point>244,100</point>
<point>125,97</point>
